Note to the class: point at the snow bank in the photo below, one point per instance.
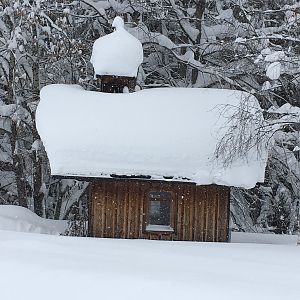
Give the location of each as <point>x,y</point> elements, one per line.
<point>118,53</point>
<point>263,238</point>
<point>77,268</point>
<point>164,132</point>
<point>17,218</point>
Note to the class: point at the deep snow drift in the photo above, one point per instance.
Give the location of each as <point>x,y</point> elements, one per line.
<point>164,132</point>
<point>17,218</point>
<point>35,267</point>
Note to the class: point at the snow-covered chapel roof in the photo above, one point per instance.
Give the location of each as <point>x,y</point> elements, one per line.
<point>165,133</point>
<point>118,53</point>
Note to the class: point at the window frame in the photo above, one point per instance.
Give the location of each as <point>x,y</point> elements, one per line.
<point>163,229</point>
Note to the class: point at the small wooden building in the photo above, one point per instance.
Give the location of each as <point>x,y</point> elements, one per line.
<point>162,210</point>
<point>149,155</point>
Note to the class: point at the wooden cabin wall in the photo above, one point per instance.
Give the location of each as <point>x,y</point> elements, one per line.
<point>118,208</point>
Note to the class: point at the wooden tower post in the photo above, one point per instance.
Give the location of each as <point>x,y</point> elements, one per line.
<point>115,84</point>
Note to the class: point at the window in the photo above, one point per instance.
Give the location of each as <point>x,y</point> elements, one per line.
<point>159,211</point>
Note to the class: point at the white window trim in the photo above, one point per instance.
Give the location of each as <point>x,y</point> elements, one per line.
<point>160,228</point>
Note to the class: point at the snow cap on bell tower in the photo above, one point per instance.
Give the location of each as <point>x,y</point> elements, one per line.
<point>118,53</point>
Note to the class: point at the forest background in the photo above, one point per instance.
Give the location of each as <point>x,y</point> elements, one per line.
<point>250,45</point>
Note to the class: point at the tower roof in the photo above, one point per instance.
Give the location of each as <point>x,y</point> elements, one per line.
<point>118,53</point>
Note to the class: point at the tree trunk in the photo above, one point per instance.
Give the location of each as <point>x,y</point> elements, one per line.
<point>59,197</point>
<point>18,167</point>
<point>38,195</point>
<point>200,9</point>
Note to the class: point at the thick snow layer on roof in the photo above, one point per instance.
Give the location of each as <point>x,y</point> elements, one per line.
<point>165,132</point>
<point>118,53</point>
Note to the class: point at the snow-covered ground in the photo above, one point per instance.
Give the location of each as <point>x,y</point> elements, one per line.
<point>39,266</point>
<point>48,267</point>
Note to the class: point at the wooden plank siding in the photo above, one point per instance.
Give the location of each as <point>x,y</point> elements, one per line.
<point>118,209</point>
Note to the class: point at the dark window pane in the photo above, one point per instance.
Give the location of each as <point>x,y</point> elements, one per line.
<point>159,208</point>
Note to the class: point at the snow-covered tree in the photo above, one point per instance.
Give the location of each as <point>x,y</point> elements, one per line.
<point>250,45</point>
<point>38,45</point>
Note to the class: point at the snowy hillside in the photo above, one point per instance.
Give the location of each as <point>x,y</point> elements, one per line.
<point>76,268</point>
